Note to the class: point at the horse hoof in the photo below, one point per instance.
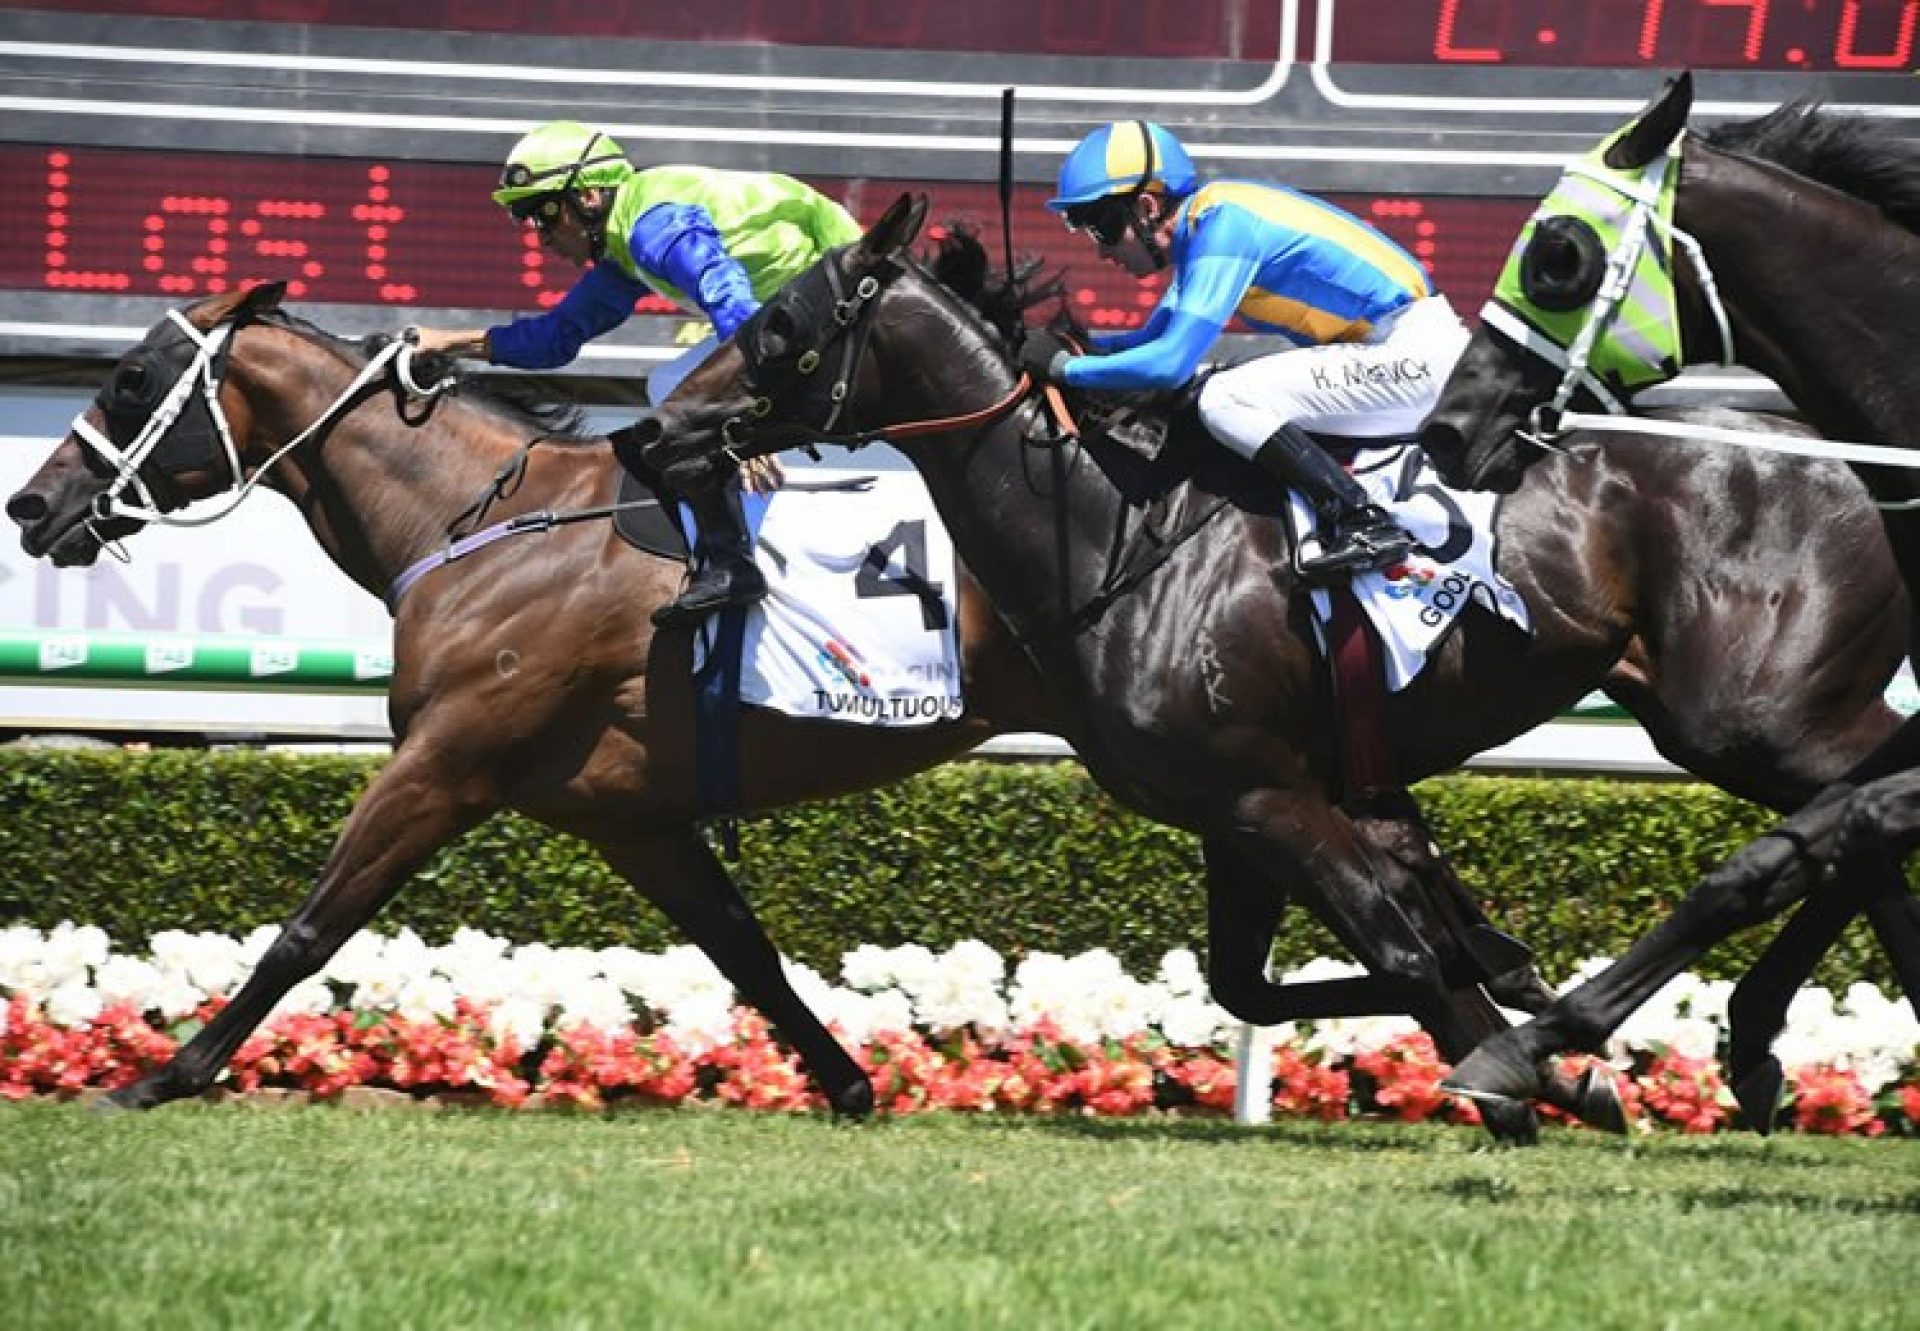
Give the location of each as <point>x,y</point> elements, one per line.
<point>1597,1101</point>
<point>1759,1094</point>
<point>125,1100</point>
<point>1511,1122</point>
<point>854,1101</point>
<point>1490,1073</point>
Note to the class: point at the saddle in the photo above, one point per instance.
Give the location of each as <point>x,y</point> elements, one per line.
<point>646,521</point>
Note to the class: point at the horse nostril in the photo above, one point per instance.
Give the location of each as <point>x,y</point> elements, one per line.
<point>26,507</point>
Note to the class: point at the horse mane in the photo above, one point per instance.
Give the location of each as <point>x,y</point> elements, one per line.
<point>1137,420</point>
<point>514,400</point>
<point>1002,299</point>
<point>1858,155</point>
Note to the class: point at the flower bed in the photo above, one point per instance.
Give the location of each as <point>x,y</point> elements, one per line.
<point>525,1025</point>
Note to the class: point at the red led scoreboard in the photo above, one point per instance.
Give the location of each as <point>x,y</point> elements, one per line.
<point>143,209</point>
<point>182,224</point>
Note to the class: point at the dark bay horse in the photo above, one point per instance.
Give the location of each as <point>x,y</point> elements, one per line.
<point>527,675</point>
<point>1159,605</point>
<point>1809,225</point>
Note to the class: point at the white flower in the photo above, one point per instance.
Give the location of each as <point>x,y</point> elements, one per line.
<point>426,998</point>
<point>129,980</point>
<point>699,1024</point>
<point>211,963</point>
<point>1180,972</point>
<point>71,952</point>
<point>73,1004</point>
<point>861,1017</point>
<point>678,978</point>
<point>596,1001</point>
<point>1088,997</point>
<point>20,968</point>
<point>311,997</point>
<point>519,1019</point>
<point>1193,1022</point>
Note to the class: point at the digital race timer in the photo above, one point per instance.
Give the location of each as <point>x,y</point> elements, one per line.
<point>1863,36</point>
<point>414,234</point>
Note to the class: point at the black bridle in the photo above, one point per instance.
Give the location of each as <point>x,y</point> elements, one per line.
<point>820,321</point>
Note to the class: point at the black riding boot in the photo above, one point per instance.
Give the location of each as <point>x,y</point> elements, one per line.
<point>724,571</point>
<point>1354,535</point>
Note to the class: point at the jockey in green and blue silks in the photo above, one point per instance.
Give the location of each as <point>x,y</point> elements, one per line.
<point>715,243</point>
<point>1372,342</point>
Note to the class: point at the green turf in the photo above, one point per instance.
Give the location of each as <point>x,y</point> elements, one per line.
<point>304,1216</point>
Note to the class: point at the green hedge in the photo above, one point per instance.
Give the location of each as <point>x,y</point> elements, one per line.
<point>1025,858</point>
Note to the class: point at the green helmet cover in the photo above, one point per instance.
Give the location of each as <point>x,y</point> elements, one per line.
<point>559,157</point>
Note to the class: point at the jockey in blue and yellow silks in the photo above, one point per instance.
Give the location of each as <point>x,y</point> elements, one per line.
<point>1372,342</point>
<point>715,243</point>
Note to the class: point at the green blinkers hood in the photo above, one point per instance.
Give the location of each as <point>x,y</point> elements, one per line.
<point>1639,344</point>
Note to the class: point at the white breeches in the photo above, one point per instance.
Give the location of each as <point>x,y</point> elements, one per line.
<point>1364,390</point>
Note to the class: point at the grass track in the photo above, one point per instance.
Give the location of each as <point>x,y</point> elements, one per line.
<point>299,1216</point>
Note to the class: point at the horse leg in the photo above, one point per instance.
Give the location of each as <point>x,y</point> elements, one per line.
<point>1878,830</point>
<point>1757,1008</point>
<point>413,807</point>
<point>1758,882</point>
<point>1871,880</point>
<point>1244,909</point>
<point>1393,824</point>
<point>678,872</point>
<point>1318,846</point>
<point>1244,906</point>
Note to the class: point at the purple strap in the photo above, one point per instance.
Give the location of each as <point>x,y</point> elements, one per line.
<point>463,547</point>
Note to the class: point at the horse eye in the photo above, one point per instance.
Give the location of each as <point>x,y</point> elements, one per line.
<point>130,380</point>
<point>776,335</point>
<point>1563,264</point>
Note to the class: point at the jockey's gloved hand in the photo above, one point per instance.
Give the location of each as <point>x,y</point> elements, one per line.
<point>1044,355</point>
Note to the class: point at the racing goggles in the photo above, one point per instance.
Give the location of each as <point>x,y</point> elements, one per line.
<point>539,211</point>
<point>1106,220</point>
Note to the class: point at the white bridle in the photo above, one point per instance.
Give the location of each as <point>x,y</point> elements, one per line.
<point>1550,421</point>
<point>200,375</point>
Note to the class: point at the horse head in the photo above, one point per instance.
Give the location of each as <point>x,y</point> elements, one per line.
<point>1584,310</point>
<point>158,435</point>
<point>793,373</point>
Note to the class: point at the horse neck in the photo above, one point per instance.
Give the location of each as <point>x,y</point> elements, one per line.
<point>1032,521</point>
<point>1810,280</point>
<point>1807,276</point>
<point>377,493</point>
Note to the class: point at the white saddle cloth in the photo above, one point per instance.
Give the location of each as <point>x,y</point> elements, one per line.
<point>1413,604</point>
<point>860,622</point>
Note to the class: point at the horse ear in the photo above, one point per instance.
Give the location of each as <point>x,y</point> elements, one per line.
<point>260,299</point>
<point>896,228</point>
<point>1656,129</point>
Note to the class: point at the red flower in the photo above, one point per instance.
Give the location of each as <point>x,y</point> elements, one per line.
<point>1832,1101</point>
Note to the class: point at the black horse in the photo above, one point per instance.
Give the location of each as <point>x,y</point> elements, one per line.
<point>1158,602</point>
<point>1809,225</point>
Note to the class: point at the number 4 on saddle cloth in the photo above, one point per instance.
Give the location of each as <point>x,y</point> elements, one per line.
<point>858,624</point>
<point>1412,604</point>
